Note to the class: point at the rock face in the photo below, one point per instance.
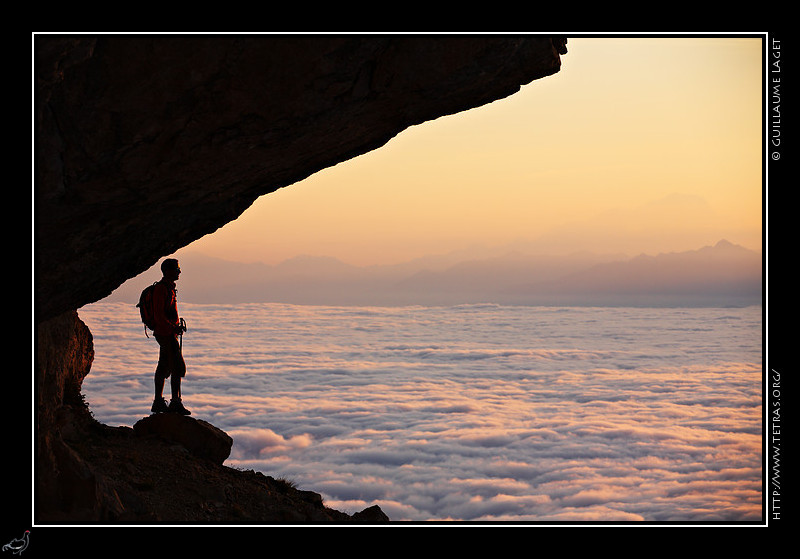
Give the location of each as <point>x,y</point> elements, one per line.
<point>146,143</point>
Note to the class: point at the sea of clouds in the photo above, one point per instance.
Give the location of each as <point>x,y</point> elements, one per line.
<point>469,413</point>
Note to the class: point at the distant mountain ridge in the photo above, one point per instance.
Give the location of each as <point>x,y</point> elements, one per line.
<point>724,274</point>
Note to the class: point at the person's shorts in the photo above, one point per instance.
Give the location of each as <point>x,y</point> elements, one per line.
<point>170,358</point>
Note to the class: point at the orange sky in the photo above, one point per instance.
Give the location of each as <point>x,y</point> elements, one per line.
<point>636,145</point>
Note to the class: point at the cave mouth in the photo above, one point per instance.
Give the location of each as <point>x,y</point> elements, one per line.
<point>146,143</point>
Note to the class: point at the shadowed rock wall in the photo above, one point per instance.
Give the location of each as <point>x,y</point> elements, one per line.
<point>146,143</point>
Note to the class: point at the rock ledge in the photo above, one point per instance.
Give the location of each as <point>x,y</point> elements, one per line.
<point>168,469</point>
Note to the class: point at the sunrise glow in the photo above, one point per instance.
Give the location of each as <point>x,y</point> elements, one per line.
<point>636,145</point>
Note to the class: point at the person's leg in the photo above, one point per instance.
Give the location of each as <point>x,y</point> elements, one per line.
<point>175,384</point>
<point>177,371</point>
<point>160,375</point>
<point>158,381</point>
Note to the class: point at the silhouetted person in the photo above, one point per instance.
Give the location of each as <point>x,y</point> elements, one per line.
<point>168,326</point>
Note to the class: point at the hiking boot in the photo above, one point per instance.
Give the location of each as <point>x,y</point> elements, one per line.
<point>176,406</point>
<point>159,406</point>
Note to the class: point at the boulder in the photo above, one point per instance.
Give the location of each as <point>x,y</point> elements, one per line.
<point>197,436</point>
<point>371,515</point>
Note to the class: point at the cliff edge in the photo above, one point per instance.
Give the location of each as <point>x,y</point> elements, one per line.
<point>167,469</point>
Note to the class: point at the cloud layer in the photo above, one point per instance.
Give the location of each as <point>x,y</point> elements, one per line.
<point>478,412</point>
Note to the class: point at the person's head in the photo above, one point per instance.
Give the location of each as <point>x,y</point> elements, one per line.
<point>170,268</point>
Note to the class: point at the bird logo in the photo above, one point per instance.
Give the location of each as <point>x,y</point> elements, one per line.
<point>18,545</point>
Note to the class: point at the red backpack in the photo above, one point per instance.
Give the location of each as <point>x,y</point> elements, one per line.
<point>145,306</point>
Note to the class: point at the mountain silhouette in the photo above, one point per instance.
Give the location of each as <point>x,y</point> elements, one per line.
<point>722,274</point>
